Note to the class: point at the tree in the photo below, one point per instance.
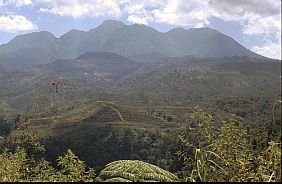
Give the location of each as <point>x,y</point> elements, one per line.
<point>74,169</point>
<point>27,164</point>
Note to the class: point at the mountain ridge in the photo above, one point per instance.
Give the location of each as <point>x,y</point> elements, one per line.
<point>127,40</point>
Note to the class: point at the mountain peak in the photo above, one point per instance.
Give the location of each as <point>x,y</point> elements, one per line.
<point>112,23</point>
<point>72,33</point>
<point>32,39</point>
<point>108,25</point>
<point>205,29</point>
<point>75,31</point>
<point>40,34</point>
<point>177,30</point>
<point>180,30</point>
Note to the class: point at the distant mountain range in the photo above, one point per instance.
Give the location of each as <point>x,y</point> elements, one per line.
<point>136,41</point>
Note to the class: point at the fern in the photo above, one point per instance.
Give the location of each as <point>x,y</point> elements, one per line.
<point>136,171</point>
<point>118,179</point>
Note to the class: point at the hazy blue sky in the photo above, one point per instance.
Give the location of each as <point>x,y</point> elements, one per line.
<point>256,24</point>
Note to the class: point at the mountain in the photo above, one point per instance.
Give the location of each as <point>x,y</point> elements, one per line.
<point>203,79</point>
<point>106,65</point>
<point>133,41</point>
<point>71,44</point>
<point>29,49</point>
<point>207,42</point>
<point>92,71</point>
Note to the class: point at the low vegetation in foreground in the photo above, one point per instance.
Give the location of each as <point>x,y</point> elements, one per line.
<point>209,152</point>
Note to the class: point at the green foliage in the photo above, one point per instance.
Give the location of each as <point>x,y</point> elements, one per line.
<point>25,164</point>
<point>135,171</point>
<point>42,171</point>
<point>5,127</point>
<point>210,151</point>
<point>224,154</point>
<point>12,166</point>
<point>236,158</point>
<point>202,129</point>
<point>74,169</point>
<point>204,165</point>
<point>269,163</point>
<point>32,146</point>
<point>197,137</point>
<point>15,167</point>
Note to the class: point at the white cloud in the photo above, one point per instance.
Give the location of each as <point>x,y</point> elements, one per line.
<point>269,49</point>
<point>257,17</point>
<point>181,12</point>
<point>261,18</point>
<point>258,25</point>
<point>242,9</point>
<point>185,13</point>
<point>137,12</point>
<point>14,23</point>
<point>16,3</point>
<point>80,8</point>
<point>136,19</point>
<point>20,3</point>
